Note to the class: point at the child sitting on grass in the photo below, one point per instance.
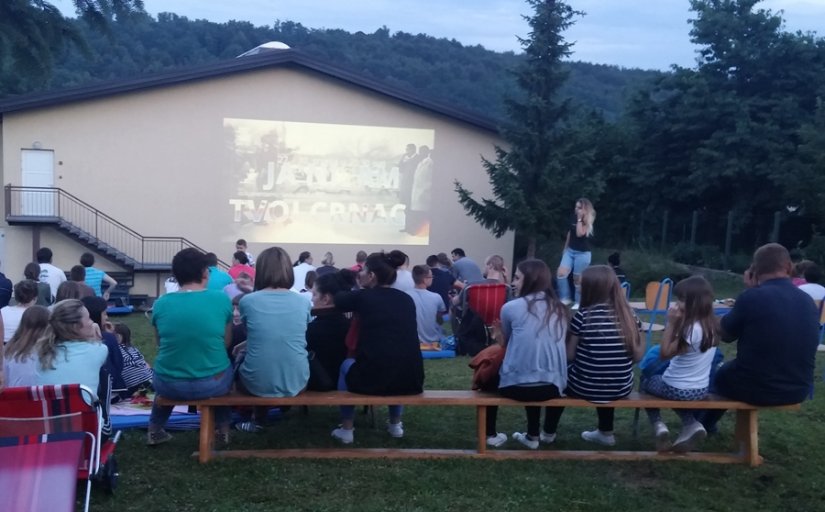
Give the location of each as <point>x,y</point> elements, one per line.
<point>137,374</point>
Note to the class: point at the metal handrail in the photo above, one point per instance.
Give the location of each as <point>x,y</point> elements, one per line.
<point>46,204</point>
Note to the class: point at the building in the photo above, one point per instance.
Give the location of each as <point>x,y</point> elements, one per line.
<point>278,148</point>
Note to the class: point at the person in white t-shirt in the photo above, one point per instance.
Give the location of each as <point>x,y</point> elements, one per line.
<point>25,295</point>
<point>300,269</point>
<point>403,276</point>
<point>689,341</point>
<point>429,309</point>
<point>813,276</point>
<point>48,272</point>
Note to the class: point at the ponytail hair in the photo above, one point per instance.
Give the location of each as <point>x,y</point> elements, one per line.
<point>383,266</point>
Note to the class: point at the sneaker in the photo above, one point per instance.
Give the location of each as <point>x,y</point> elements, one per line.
<point>497,440</point>
<point>566,302</point>
<point>248,426</point>
<point>546,438</point>
<point>662,435</point>
<point>395,430</point>
<point>344,435</point>
<point>575,306</point>
<point>597,436</point>
<point>156,438</point>
<point>524,439</point>
<point>689,437</point>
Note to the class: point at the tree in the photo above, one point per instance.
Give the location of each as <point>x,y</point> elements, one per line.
<point>730,134</point>
<point>537,179</point>
<point>32,32</point>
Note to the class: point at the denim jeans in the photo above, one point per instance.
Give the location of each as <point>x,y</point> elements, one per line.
<point>348,411</point>
<point>195,389</point>
<point>576,261</point>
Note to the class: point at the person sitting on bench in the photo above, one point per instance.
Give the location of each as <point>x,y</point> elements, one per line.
<point>387,358</point>
<point>193,329</point>
<point>777,326</point>
<point>276,319</point>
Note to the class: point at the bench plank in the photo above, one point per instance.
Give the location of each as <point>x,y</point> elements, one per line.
<point>460,397</point>
<point>498,454</point>
<point>746,432</point>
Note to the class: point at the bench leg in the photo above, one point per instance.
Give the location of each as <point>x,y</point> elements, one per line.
<point>207,434</point>
<point>481,428</point>
<point>747,436</point>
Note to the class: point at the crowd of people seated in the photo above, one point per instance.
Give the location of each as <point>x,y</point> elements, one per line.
<point>363,328</point>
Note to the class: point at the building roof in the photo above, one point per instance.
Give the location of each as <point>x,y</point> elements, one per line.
<point>283,58</point>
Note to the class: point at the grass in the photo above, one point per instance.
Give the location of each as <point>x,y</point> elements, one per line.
<point>167,478</point>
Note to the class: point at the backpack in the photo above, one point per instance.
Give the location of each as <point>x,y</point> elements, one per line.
<point>471,335</point>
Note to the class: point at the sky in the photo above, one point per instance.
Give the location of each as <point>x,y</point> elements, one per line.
<point>648,34</point>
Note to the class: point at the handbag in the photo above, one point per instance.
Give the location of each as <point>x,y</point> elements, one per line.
<point>486,365</point>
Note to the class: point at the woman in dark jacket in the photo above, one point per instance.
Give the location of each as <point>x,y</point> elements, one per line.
<point>388,358</point>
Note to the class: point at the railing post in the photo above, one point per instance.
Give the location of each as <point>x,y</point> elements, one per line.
<point>8,200</point>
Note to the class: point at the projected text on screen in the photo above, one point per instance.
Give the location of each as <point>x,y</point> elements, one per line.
<point>328,183</point>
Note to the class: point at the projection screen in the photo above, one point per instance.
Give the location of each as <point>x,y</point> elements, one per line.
<point>329,183</point>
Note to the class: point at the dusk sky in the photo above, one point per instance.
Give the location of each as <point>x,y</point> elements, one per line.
<point>649,34</point>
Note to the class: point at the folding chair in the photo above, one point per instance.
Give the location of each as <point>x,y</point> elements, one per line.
<point>63,409</point>
<point>39,473</point>
<point>626,287</point>
<point>486,300</point>
<point>657,300</point>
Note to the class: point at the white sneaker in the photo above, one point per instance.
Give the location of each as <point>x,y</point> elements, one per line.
<point>346,436</point>
<point>662,435</point>
<point>597,436</point>
<point>566,302</point>
<point>575,306</point>
<point>546,438</point>
<point>524,439</point>
<point>689,437</point>
<point>497,440</point>
<point>395,430</point>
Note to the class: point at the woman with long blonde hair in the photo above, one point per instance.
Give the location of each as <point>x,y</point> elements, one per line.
<point>603,342</point>
<point>576,254</point>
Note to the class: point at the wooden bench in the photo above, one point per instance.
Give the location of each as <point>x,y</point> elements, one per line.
<point>746,437</point>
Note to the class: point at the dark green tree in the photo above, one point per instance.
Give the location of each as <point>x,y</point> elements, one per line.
<point>33,32</point>
<point>547,162</point>
<point>728,135</point>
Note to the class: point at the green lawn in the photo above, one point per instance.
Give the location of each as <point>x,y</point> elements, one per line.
<point>166,478</point>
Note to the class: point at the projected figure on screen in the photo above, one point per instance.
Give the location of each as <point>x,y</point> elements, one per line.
<point>406,175</point>
<point>419,206</point>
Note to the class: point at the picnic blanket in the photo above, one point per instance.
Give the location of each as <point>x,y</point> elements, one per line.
<point>135,414</point>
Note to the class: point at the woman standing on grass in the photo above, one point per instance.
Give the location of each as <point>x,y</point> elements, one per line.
<point>535,363</point>
<point>275,364</point>
<point>576,252</point>
<point>603,343</point>
<point>193,327</point>
<point>690,340</point>
<point>387,358</point>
